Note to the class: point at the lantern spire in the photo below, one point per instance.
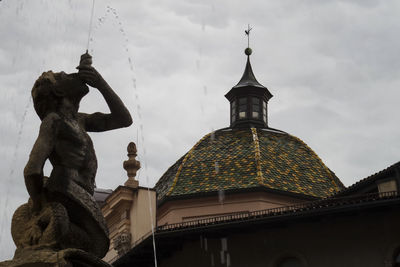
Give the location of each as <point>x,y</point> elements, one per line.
<point>248,98</point>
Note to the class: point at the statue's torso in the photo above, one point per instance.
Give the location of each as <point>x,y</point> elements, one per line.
<point>73,156</point>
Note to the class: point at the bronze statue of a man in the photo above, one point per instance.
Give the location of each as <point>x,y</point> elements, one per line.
<point>62,213</point>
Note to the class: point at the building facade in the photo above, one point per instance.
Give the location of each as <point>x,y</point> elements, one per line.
<point>252,195</point>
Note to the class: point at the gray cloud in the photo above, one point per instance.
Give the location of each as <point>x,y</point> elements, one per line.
<point>333,67</point>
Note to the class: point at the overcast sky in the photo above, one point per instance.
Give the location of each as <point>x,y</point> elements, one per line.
<point>332,66</point>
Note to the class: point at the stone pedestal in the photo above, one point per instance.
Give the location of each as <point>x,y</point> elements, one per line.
<point>50,258</point>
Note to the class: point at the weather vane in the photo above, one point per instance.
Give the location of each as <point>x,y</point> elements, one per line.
<point>248,50</point>
<point>247,32</point>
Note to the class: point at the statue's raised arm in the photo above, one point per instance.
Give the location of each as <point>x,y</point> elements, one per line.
<point>99,122</point>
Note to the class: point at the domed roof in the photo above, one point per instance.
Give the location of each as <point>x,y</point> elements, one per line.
<point>248,158</point>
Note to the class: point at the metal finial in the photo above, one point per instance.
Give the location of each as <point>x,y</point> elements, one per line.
<point>248,50</point>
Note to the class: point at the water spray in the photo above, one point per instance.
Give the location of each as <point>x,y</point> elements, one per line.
<point>90,28</point>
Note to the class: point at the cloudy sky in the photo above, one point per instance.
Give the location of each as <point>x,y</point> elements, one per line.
<point>332,66</point>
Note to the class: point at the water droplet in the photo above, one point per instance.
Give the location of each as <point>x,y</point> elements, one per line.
<point>205,244</point>
<point>205,90</point>
<point>224,244</point>
<point>228,260</point>
<point>216,167</point>
<point>212,259</point>
<point>222,253</point>
<point>221,196</point>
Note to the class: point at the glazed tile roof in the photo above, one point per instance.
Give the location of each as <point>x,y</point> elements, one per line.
<point>231,159</point>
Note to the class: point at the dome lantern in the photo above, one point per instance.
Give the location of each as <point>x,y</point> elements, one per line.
<point>248,99</point>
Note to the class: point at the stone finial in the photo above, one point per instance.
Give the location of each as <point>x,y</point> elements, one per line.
<point>131,166</point>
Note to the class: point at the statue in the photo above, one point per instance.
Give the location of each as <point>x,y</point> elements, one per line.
<point>62,225</point>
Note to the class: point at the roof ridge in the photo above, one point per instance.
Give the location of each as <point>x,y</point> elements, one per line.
<point>321,162</point>
<point>257,154</point>
<point>368,178</point>
<point>183,163</point>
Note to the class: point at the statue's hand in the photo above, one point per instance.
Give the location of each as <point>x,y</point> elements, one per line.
<point>33,235</point>
<point>91,76</point>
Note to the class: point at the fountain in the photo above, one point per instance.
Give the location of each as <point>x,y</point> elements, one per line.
<point>61,224</point>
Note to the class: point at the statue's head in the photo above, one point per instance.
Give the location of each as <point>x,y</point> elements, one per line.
<point>51,88</point>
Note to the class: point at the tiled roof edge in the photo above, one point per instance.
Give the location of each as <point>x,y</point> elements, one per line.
<point>162,179</point>
<point>336,181</point>
<point>183,163</point>
<point>259,188</point>
<point>368,179</point>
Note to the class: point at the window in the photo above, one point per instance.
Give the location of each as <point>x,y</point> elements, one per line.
<point>233,111</point>
<point>265,111</point>
<point>255,108</point>
<point>387,186</point>
<point>242,107</point>
<point>290,262</point>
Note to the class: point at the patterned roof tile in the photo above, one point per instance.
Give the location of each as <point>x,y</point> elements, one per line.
<point>244,158</point>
